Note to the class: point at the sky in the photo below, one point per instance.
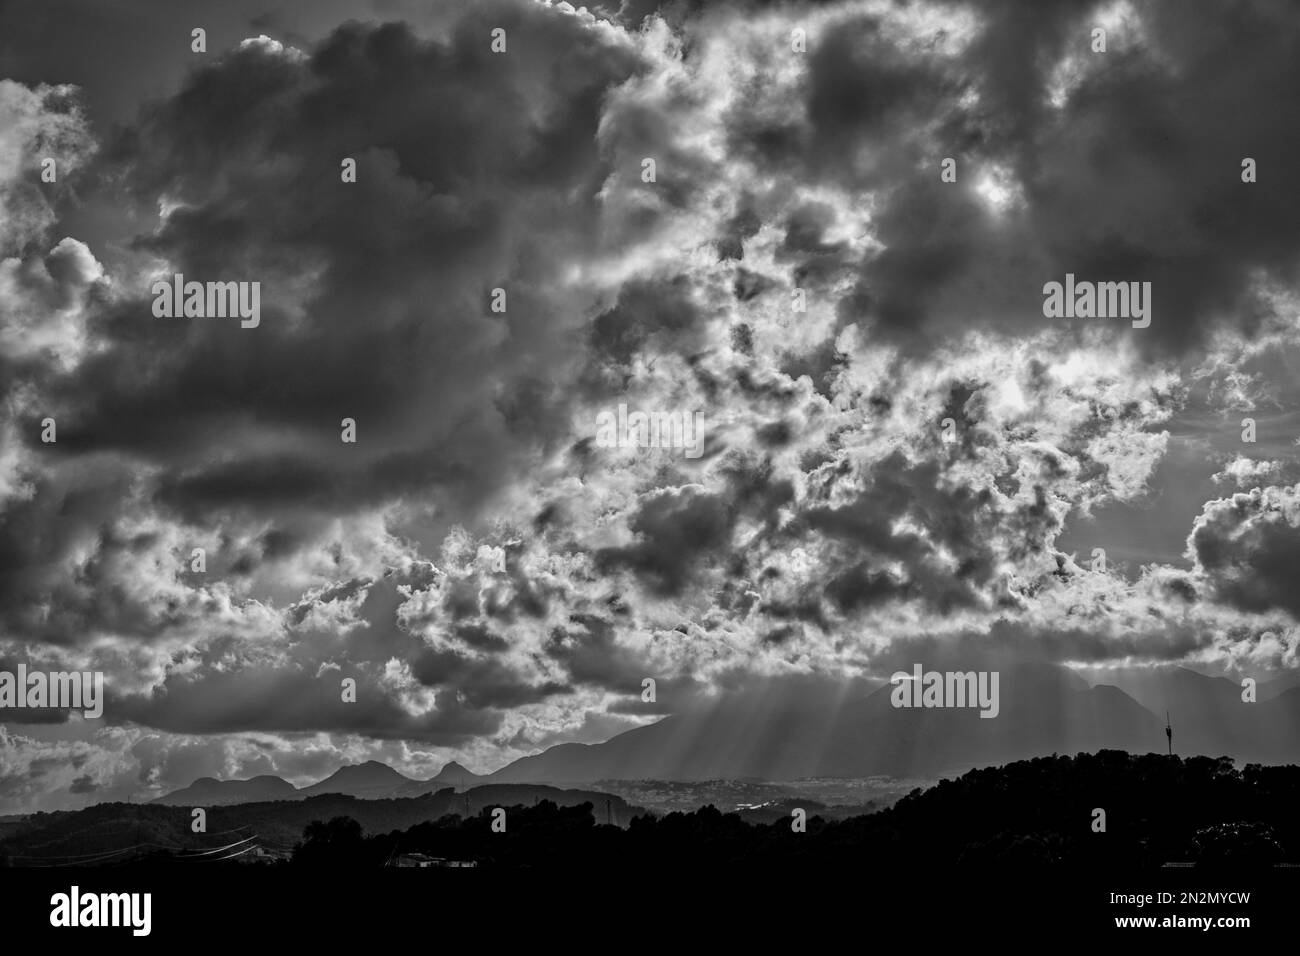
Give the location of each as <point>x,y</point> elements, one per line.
<point>900,450</point>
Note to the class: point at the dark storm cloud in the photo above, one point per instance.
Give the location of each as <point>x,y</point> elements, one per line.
<point>343,591</point>
<point>1012,644</point>
<point>292,682</point>
<point>286,699</point>
<point>1248,546</point>
<point>38,595</point>
<point>470,663</point>
<point>958,521</point>
<point>478,171</point>
<point>474,172</point>
<point>1137,177</point>
<point>754,485</point>
<point>478,682</point>
<point>658,313</point>
<point>947,266</point>
<point>590,650</point>
<point>515,596</point>
<point>675,530</point>
<point>865,91</point>
<point>480,638</point>
<point>679,531</point>
<point>1142,177</point>
<point>395,331</point>
<point>743,224</point>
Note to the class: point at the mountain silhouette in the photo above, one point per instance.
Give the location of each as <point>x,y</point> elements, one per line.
<point>371,780</point>
<point>1209,716</point>
<point>208,792</point>
<point>454,775</point>
<point>809,727</point>
<point>800,726</point>
<point>1199,811</point>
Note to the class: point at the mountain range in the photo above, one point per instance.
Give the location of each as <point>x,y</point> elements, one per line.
<point>796,727</point>
<point>371,780</point>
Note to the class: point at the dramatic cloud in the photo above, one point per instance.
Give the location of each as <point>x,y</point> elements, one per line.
<point>1248,546</point>
<point>732,210</point>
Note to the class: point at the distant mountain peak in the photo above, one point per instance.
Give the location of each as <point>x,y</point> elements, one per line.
<point>454,772</point>
<point>208,791</point>
<point>370,769</point>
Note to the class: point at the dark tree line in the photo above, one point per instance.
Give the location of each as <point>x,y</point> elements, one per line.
<point>1041,812</point>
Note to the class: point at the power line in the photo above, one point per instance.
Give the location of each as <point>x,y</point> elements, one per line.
<point>229,856</point>
<point>220,849</point>
<point>79,859</point>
